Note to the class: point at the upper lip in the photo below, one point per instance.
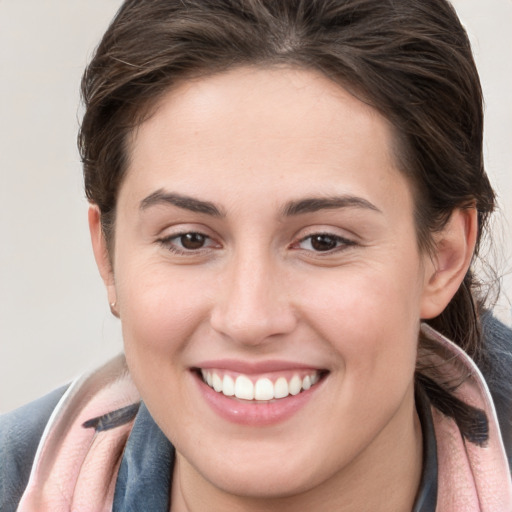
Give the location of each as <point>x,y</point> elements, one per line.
<point>254,367</point>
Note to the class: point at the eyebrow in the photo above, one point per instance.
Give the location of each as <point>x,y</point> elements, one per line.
<point>185,202</point>
<point>292,208</point>
<point>314,204</point>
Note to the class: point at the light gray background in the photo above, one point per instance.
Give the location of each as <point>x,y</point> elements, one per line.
<point>54,317</point>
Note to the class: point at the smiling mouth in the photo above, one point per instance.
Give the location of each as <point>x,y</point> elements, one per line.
<point>262,389</point>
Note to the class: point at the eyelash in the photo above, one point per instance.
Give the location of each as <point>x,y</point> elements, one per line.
<point>340,242</point>
<point>169,243</point>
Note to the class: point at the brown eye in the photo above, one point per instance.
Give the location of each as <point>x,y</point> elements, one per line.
<point>192,241</point>
<point>188,244</point>
<point>324,242</point>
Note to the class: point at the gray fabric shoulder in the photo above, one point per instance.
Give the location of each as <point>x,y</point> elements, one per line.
<point>20,432</point>
<point>496,366</point>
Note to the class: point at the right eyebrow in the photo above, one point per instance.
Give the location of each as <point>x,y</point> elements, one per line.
<point>181,201</point>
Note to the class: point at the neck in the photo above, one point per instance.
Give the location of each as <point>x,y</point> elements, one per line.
<point>383,478</point>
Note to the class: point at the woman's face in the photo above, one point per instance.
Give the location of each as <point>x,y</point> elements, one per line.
<point>265,242</point>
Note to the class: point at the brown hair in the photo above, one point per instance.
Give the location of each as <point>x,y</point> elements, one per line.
<point>409,59</point>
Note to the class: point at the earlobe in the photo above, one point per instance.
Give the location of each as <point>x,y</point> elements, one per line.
<point>99,247</point>
<point>454,247</point>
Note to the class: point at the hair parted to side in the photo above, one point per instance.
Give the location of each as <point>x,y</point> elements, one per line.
<point>409,59</point>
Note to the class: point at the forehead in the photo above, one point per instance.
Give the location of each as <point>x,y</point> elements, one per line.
<point>261,127</point>
<point>281,100</point>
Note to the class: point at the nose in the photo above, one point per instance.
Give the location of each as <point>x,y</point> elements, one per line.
<point>252,306</point>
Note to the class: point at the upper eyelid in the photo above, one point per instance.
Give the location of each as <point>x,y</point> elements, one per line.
<point>327,233</point>
<point>343,241</point>
<point>346,235</point>
<point>172,236</point>
<point>178,229</point>
<point>186,232</point>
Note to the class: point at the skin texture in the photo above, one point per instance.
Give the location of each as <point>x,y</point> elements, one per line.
<point>251,141</point>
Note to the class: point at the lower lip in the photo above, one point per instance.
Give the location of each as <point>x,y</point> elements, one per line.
<point>246,412</point>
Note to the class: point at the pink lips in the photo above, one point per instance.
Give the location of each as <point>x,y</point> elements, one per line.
<point>254,413</point>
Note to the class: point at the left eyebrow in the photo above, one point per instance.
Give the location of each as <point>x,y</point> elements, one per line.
<point>314,204</point>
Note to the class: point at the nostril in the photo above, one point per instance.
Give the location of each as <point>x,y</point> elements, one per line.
<point>253,332</point>
<point>252,326</point>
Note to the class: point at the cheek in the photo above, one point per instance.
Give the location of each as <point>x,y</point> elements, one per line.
<point>372,330</point>
<point>371,320</point>
<point>372,298</point>
<point>160,313</point>
<point>158,322</point>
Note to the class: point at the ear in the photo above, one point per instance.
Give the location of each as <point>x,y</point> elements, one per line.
<point>454,247</point>
<point>99,247</point>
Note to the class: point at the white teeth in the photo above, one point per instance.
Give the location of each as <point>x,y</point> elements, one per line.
<point>244,388</point>
<point>207,377</point>
<point>263,390</point>
<point>216,382</point>
<point>281,388</point>
<point>228,386</point>
<point>295,385</point>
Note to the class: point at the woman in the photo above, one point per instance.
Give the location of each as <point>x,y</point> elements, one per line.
<point>281,192</point>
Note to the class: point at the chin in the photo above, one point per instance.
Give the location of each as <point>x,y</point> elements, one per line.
<point>263,481</point>
<point>269,470</point>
